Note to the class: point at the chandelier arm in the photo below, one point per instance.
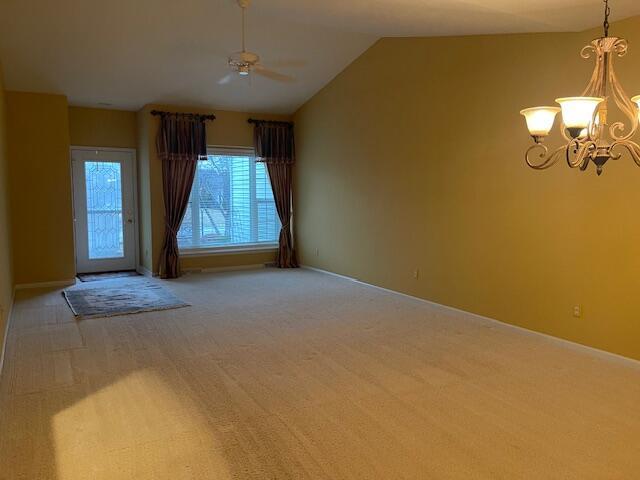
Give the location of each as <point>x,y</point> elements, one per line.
<point>587,51</point>
<point>582,152</point>
<point>632,147</point>
<point>593,130</point>
<point>547,160</point>
<point>626,106</point>
<point>594,87</point>
<point>585,161</point>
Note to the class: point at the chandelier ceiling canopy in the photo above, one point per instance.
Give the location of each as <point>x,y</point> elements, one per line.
<point>586,126</point>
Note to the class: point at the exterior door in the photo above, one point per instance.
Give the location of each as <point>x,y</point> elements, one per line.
<point>104,210</point>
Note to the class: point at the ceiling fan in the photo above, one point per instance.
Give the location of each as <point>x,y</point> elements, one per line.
<point>244,62</point>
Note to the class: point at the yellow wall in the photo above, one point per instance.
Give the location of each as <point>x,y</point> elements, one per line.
<point>98,127</point>
<point>6,277</point>
<point>144,188</point>
<point>41,129</point>
<point>40,187</point>
<point>229,129</point>
<point>412,158</point>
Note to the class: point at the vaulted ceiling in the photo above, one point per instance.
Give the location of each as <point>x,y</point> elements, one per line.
<point>127,53</point>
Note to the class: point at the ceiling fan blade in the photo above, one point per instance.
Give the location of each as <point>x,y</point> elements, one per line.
<point>226,79</point>
<point>288,64</point>
<point>271,75</point>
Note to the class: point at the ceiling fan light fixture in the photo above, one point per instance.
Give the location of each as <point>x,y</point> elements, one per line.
<point>245,63</point>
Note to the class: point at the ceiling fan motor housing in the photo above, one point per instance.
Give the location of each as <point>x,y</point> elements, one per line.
<point>243,60</point>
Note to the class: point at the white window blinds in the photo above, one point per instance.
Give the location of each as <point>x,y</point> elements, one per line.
<point>231,203</point>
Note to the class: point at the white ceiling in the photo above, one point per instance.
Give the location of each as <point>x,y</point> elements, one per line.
<point>128,53</point>
<point>390,18</point>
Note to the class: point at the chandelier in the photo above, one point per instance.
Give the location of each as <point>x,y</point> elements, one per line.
<point>585,120</point>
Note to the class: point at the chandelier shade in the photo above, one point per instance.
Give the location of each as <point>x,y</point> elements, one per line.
<point>588,134</point>
<point>540,120</point>
<point>636,100</point>
<point>577,112</point>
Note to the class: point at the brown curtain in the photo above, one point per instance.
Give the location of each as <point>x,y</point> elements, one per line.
<point>275,147</point>
<point>181,141</point>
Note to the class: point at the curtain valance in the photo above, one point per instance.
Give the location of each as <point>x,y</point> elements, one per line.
<point>182,136</point>
<point>274,142</point>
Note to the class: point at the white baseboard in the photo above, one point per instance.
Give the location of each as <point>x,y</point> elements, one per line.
<point>56,283</point>
<point>231,268</point>
<point>474,316</point>
<point>6,330</point>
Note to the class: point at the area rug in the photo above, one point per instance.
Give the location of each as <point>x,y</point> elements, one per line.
<point>94,277</point>
<point>120,297</point>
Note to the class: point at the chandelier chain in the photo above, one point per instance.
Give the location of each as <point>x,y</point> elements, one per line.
<point>607,11</point>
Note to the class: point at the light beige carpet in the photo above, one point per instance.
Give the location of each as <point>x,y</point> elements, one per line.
<point>295,375</point>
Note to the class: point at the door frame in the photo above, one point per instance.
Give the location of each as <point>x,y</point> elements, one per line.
<point>134,179</point>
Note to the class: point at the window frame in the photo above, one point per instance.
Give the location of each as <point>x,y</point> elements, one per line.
<point>237,248</point>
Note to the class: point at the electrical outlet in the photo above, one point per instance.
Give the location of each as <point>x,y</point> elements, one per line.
<point>577,311</point>
<point>416,273</point>
<point>317,252</point>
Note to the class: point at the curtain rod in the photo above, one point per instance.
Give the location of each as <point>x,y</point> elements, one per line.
<point>277,122</point>
<point>206,117</point>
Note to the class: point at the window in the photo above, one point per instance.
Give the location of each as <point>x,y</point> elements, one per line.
<point>103,182</point>
<point>231,203</point>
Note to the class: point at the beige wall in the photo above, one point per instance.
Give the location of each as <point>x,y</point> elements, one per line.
<point>6,277</point>
<point>41,129</point>
<point>144,188</point>
<point>229,129</point>
<point>98,127</point>
<point>40,187</point>
<point>412,158</point>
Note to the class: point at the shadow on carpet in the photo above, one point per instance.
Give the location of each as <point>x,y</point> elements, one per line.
<point>120,297</point>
